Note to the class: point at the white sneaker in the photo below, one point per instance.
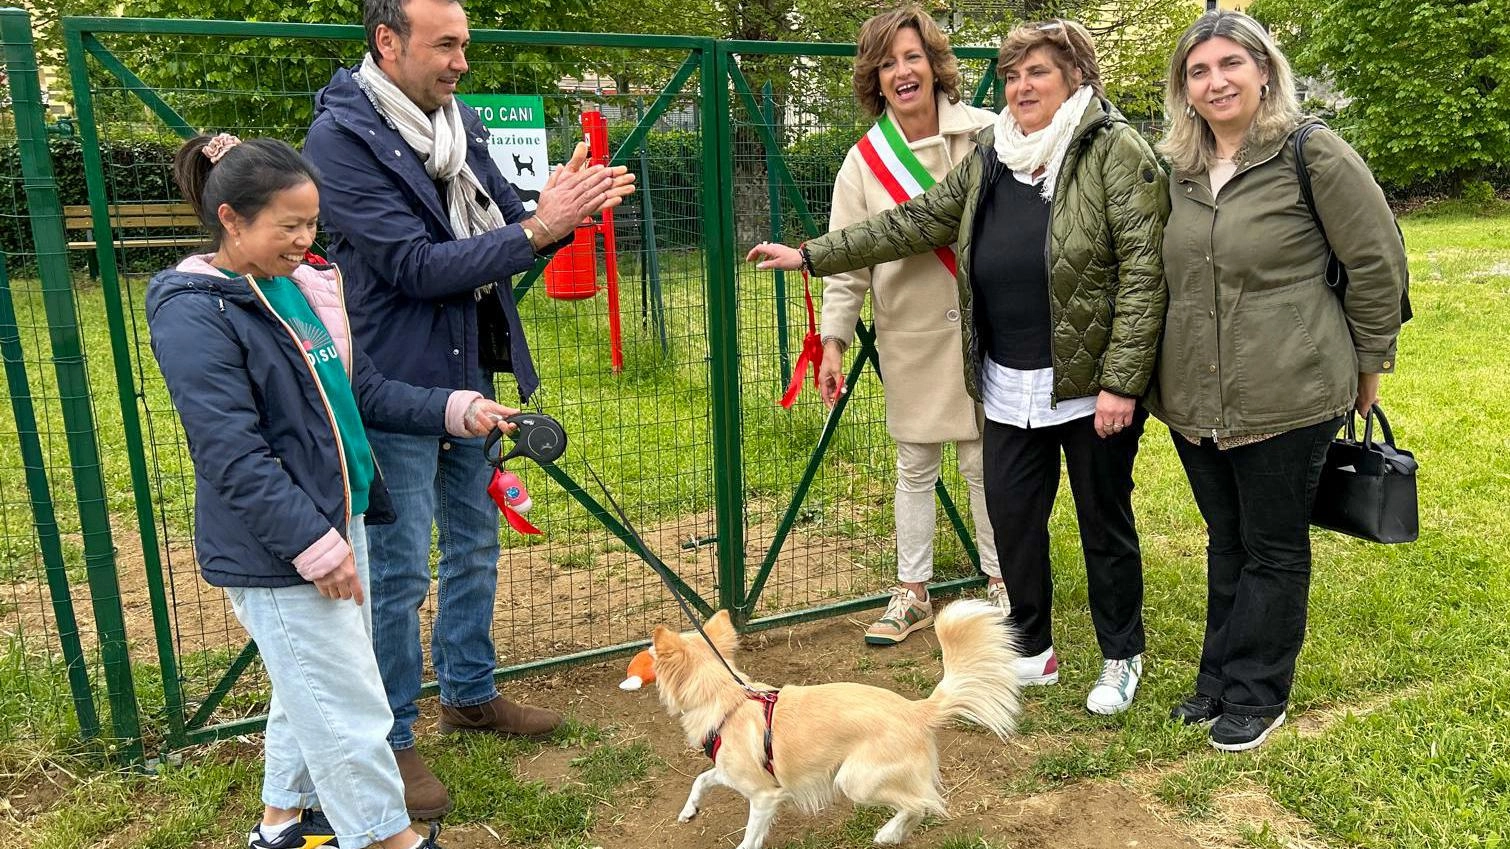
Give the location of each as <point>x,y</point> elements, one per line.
<point>1116,687</point>
<point>997,595</point>
<point>1042,668</point>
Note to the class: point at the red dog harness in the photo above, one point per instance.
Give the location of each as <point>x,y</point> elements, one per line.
<point>767,698</point>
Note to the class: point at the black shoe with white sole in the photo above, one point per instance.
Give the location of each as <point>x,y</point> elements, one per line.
<point>1197,710</point>
<point>1237,732</point>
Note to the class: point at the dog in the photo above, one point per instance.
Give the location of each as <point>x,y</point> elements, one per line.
<point>809,743</point>
<point>523,164</point>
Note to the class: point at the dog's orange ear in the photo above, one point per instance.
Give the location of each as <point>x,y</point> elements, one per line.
<point>721,631</point>
<point>665,641</point>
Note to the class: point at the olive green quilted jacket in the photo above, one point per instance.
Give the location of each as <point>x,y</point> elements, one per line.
<point>1106,275</point>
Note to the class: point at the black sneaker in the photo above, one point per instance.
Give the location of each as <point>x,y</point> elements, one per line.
<point>310,832</point>
<point>1197,710</point>
<point>1236,732</point>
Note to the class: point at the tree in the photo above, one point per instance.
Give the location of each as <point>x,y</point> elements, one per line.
<point>1425,83</point>
<point>266,85</point>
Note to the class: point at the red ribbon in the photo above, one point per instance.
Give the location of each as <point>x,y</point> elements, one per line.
<point>812,352</point>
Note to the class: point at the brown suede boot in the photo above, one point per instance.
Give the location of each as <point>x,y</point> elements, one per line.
<point>424,795</point>
<point>500,716</point>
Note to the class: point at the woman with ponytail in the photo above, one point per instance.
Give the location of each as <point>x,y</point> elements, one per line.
<point>258,356</point>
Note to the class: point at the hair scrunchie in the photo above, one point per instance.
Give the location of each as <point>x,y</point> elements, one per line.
<point>218,146</point>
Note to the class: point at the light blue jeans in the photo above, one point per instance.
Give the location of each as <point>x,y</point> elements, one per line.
<point>441,483</point>
<point>325,745</point>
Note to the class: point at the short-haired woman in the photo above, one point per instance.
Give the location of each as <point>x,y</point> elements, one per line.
<point>1058,214</point>
<point>1260,360</point>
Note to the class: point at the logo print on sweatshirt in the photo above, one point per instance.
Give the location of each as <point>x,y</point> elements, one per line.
<point>317,344</point>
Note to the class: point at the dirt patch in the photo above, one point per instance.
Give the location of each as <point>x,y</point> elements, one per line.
<point>1242,805</point>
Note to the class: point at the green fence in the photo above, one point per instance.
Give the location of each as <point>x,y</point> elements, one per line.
<point>777,515</point>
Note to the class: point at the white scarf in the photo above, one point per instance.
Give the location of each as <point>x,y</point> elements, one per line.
<point>1045,148</point>
<point>441,142</point>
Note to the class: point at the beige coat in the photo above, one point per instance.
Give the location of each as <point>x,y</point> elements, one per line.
<point>914,300</point>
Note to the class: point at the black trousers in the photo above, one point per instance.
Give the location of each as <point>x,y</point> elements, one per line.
<point>1022,479</point>
<point>1256,501</point>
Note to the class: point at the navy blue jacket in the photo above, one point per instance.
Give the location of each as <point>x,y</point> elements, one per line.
<point>267,461</point>
<point>409,280</point>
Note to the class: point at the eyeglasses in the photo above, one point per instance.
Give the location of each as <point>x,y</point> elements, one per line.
<point>1057,26</point>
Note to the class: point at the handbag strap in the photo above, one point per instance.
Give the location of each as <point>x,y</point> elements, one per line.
<point>1374,412</point>
<point>1336,272</point>
<point>1303,174</point>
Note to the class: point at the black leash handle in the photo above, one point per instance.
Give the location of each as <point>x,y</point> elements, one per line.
<point>536,436</point>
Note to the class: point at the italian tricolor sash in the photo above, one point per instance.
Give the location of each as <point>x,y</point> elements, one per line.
<point>886,152</point>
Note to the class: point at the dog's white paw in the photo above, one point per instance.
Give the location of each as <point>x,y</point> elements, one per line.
<point>687,814</point>
<point>891,834</point>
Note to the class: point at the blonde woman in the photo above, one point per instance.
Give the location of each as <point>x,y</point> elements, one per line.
<point>908,79</point>
<point>1058,213</point>
<point>1260,360</point>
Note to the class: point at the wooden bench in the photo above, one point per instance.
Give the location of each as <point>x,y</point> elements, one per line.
<point>135,225</point>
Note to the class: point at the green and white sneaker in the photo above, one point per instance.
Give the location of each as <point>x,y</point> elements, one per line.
<point>904,614</point>
<point>997,595</point>
<point>1116,687</point>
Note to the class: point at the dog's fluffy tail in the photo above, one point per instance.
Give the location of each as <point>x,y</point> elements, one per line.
<point>980,680</point>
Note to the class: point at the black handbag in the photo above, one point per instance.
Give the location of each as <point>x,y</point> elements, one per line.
<point>1368,488</point>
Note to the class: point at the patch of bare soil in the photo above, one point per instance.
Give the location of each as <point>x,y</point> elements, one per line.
<point>1243,804</point>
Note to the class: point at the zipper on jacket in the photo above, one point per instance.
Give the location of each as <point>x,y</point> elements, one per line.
<point>1076,144</point>
<point>1048,273</point>
<point>1221,401</point>
<point>320,388</point>
<point>351,368</point>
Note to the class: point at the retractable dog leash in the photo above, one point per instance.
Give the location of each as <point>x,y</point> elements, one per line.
<point>541,438</point>
<point>536,436</point>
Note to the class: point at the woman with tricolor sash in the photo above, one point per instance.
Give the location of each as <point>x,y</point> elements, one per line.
<point>1057,220</point>
<point>906,76</point>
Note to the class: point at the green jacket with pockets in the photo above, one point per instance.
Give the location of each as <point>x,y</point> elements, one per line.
<point>1255,342</point>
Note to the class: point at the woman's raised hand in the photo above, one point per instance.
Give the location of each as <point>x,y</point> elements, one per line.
<point>775,257</point>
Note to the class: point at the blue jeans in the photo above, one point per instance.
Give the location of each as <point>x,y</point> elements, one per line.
<point>326,725</point>
<point>441,483</point>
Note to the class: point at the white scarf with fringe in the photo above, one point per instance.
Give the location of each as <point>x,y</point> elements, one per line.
<point>1045,148</point>
<point>440,140</point>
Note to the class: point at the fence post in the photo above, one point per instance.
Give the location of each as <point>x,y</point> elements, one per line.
<point>723,328</point>
<point>125,380</point>
<point>46,213</point>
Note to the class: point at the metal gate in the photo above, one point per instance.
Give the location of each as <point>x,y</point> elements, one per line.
<point>776,515</point>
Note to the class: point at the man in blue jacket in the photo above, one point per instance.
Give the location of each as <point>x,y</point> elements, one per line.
<point>429,233</point>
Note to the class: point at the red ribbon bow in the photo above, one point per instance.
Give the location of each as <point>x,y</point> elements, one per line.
<point>812,353</point>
